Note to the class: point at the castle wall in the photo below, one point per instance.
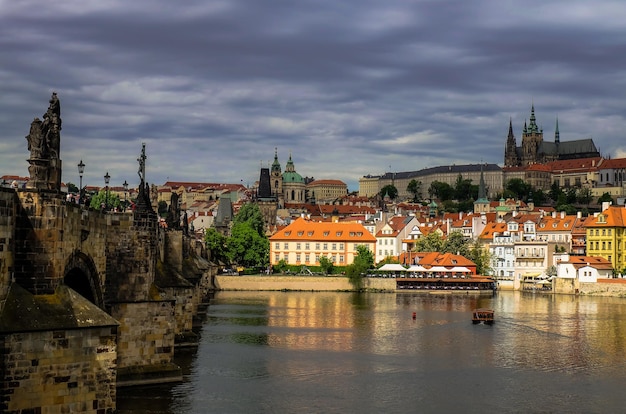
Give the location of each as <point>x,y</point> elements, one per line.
<point>8,203</point>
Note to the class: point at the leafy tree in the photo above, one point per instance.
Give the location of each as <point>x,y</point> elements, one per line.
<point>539,197</point>
<point>432,242</point>
<point>456,243</point>
<point>100,199</point>
<point>584,196</point>
<point>389,190</point>
<point>555,191</point>
<point>481,257</point>
<point>363,261</point>
<point>463,189</point>
<point>570,195</point>
<point>216,244</point>
<point>441,191</point>
<point>281,266</point>
<point>604,197</point>
<point>72,188</point>
<point>518,188</point>
<point>326,265</point>
<point>247,247</point>
<point>251,214</point>
<point>415,188</point>
<point>386,260</point>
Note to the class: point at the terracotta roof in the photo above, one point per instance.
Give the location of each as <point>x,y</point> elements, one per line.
<point>614,216</point>
<point>593,261</point>
<point>326,182</point>
<point>492,228</point>
<point>303,229</point>
<point>612,163</point>
<point>550,224</point>
<point>573,165</point>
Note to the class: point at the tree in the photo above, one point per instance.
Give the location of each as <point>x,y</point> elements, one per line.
<point>555,191</point>
<point>415,188</point>
<point>481,257</point>
<point>72,188</point>
<point>584,196</point>
<point>326,265</point>
<point>247,247</point>
<point>456,243</point>
<point>389,190</point>
<point>441,191</point>
<point>216,244</point>
<point>281,266</point>
<point>432,242</point>
<point>100,199</point>
<point>463,189</point>
<point>363,261</point>
<point>251,214</point>
<point>518,188</point>
<point>606,197</point>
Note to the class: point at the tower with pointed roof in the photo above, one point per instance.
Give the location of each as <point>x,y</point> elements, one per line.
<point>511,158</point>
<point>531,140</point>
<point>276,178</point>
<point>482,204</point>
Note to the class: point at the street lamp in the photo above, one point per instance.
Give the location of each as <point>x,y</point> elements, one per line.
<point>107,177</point>
<point>125,190</point>
<point>81,170</point>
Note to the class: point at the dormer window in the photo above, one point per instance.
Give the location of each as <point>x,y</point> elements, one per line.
<point>300,233</point>
<point>287,233</point>
<point>310,233</point>
<point>601,218</point>
<point>339,233</point>
<point>326,233</point>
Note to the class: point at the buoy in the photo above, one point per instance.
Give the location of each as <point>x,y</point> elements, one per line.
<point>414,315</point>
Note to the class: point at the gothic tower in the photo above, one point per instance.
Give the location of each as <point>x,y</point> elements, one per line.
<point>532,137</point>
<point>510,152</point>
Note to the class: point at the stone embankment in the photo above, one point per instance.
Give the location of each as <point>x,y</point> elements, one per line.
<point>298,283</point>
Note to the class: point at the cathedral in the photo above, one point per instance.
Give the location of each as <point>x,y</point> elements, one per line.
<point>534,150</point>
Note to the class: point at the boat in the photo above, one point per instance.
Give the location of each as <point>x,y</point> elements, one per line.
<point>482,315</point>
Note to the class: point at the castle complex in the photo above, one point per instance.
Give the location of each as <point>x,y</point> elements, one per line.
<point>534,150</point>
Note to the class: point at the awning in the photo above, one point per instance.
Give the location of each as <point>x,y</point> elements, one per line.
<point>416,268</point>
<point>392,267</point>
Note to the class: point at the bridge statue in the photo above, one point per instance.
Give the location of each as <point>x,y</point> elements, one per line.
<point>44,141</point>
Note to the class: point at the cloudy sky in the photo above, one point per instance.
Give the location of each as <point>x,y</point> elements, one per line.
<point>349,88</point>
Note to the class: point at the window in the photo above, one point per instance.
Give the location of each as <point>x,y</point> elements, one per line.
<point>340,246</point>
<point>277,246</point>
<point>310,233</point>
<point>326,233</point>
<point>334,246</point>
<point>325,246</point>
<point>297,257</point>
<point>339,233</point>
<point>317,246</point>
<point>286,246</point>
<point>277,257</point>
<point>297,246</point>
<point>287,233</point>
<point>341,259</point>
<point>306,246</point>
<point>300,233</point>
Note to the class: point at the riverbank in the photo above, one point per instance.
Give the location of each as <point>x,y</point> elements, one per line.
<point>603,287</point>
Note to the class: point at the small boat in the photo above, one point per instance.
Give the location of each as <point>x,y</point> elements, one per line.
<point>482,315</point>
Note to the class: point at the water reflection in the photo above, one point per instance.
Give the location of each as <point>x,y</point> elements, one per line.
<point>344,352</point>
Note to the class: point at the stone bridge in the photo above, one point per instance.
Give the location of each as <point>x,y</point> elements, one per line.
<point>89,300</point>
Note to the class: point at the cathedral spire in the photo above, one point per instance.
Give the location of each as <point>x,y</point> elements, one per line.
<point>533,121</point>
<point>511,129</point>
<point>557,137</point>
<point>276,164</point>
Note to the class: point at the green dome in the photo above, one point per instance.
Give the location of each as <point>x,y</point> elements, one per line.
<point>292,177</point>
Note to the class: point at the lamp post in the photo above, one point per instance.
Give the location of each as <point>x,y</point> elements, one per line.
<point>81,170</point>
<point>125,191</point>
<point>107,177</point>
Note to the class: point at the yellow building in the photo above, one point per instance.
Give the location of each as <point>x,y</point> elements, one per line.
<point>303,242</point>
<point>327,190</point>
<point>606,235</point>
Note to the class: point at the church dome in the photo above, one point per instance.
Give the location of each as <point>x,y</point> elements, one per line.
<point>292,177</point>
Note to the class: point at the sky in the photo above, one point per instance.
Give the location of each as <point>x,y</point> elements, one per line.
<point>347,88</point>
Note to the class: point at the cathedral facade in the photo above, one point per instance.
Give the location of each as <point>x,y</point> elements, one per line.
<point>534,150</point>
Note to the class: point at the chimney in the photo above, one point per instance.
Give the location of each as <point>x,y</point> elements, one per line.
<point>562,214</point>
<point>579,214</point>
<point>554,214</point>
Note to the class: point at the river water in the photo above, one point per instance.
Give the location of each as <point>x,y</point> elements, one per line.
<point>288,352</point>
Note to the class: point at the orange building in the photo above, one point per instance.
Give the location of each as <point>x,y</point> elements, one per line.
<point>304,241</point>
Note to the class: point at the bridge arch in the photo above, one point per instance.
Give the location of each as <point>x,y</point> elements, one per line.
<point>82,276</point>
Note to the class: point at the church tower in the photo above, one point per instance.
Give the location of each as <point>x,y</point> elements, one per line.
<point>294,188</point>
<point>532,137</point>
<point>510,152</point>
<point>276,178</point>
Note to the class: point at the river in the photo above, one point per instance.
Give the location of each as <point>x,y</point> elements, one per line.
<point>317,352</point>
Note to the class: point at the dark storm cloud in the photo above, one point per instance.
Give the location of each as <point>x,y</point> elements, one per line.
<point>348,88</point>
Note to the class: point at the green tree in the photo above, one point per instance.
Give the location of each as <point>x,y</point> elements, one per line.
<point>518,188</point>
<point>555,192</point>
<point>584,196</point>
<point>247,247</point>
<point>281,266</point>
<point>432,242</point>
<point>326,265</point>
<point>72,188</point>
<point>463,189</point>
<point>570,195</point>
<point>389,190</point>
<point>604,197</point>
<point>251,214</point>
<point>481,257</point>
<point>456,243</point>
<point>441,191</point>
<point>216,244</point>
<point>100,199</point>
<point>415,188</point>
<point>363,261</point>
<point>539,197</point>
